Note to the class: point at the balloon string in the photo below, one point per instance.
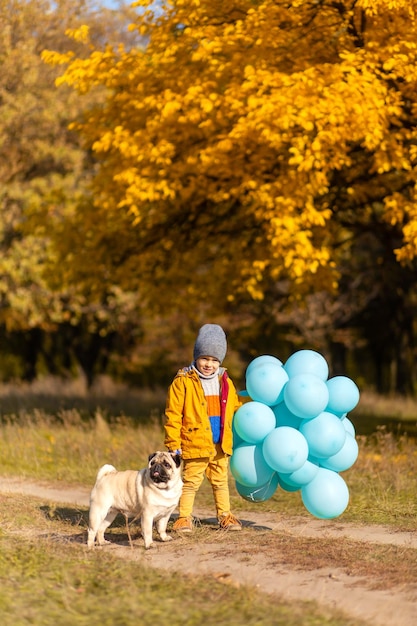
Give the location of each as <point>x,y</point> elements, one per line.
<point>250,496</point>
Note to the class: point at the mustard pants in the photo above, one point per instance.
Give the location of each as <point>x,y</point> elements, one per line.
<point>216,471</point>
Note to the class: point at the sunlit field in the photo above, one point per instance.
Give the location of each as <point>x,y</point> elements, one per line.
<point>57,433</point>
<point>43,438</point>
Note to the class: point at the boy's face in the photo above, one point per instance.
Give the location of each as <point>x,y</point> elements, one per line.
<point>207,365</point>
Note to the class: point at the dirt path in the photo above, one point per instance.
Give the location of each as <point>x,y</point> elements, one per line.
<point>329,587</point>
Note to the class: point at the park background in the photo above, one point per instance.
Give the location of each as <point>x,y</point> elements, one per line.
<point>250,163</point>
<point>163,165</point>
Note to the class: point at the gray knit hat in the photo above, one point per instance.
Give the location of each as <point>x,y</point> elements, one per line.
<point>211,341</point>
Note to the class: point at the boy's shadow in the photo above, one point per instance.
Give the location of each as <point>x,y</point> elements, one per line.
<point>212,522</point>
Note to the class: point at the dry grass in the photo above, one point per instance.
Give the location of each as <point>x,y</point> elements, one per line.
<point>384,567</point>
<point>68,449</point>
<point>383,481</point>
<point>68,441</point>
<point>388,407</point>
<point>380,567</point>
<point>62,397</point>
<point>49,577</point>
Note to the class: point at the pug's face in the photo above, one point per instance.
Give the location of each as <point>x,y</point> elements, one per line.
<point>163,466</point>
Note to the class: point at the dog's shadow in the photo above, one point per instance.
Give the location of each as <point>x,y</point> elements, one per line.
<point>79,518</point>
<point>116,534</point>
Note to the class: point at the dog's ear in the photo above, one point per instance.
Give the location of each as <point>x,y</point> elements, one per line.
<point>150,457</point>
<point>177,458</point>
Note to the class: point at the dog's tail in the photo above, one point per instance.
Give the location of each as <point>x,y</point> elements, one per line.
<point>106,469</point>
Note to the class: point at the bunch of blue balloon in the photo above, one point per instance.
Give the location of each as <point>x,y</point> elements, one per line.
<point>294,432</point>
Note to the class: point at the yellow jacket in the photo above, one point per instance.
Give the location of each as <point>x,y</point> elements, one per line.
<point>187,424</point>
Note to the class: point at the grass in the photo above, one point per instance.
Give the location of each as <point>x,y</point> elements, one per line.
<point>49,577</point>
<point>387,407</point>
<point>42,547</point>
<point>384,567</point>
<point>68,448</point>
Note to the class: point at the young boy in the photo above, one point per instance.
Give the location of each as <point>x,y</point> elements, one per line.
<point>200,406</point>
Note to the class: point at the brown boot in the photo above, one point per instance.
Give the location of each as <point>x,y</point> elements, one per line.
<point>183,525</point>
<point>229,522</point>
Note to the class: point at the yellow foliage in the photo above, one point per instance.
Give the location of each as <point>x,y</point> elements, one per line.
<point>250,127</point>
<point>80,34</point>
<point>373,7</point>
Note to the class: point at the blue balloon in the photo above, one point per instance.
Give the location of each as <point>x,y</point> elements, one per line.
<point>285,449</point>
<point>302,476</point>
<point>343,394</point>
<point>326,496</point>
<point>349,427</point>
<point>307,362</point>
<point>253,421</point>
<point>284,417</point>
<point>345,458</point>
<point>261,360</point>
<point>325,434</point>
<point>237,441</point>
<point>286,486</point>
<point>259,494</point>
<point>249,467</point>
<point>306,395</point>
<point>265,382</point>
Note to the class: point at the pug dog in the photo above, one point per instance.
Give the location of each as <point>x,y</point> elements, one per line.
<point>150,494</point>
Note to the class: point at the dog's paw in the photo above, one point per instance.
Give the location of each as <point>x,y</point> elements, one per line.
<point>166,538</point>
<point>149,546</point>
<point>103,542</point>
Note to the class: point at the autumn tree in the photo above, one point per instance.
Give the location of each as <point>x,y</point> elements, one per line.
<point>258,150</point>
<point>44,174</point>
